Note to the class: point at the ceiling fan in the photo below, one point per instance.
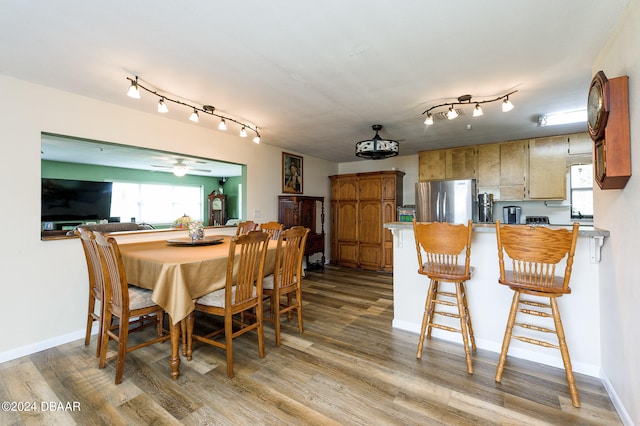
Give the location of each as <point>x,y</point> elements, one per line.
<point>179,168</point>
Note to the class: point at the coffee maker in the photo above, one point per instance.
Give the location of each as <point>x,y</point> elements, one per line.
<point>485,208</point>
<point>511,214</point>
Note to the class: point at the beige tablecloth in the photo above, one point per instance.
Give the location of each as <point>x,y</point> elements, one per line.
<point>178,275</point>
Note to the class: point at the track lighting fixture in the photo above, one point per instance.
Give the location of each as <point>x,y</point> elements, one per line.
<point>507,105</point>
<point>162,106</point>
<point>134,92</point>
<point>452,112</point>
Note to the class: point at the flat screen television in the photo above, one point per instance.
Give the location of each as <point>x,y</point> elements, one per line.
<point>67,200</point>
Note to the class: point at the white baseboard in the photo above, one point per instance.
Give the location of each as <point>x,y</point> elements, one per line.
<point>44,344</point>
<point>615,400</point>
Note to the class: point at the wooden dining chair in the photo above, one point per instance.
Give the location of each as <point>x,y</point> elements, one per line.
<point>286,279</point>
<point>242,293</point>
<point>443,244</point>
<point>541,260</point>
<point>271,228</point>
<point>123,302</point>
<point>245,227</point>
<point>96,285</point>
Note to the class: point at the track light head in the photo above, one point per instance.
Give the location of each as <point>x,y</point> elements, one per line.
<point>134,92</point>
<point>162,106</point>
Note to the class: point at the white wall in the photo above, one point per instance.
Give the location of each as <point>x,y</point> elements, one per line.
<point>617,211</point>
<point>44,284</point>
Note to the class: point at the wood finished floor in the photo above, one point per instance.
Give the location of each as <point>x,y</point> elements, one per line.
<point>349,368</point>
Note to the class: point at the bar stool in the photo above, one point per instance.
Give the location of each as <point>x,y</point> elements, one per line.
<point>535,252</point>
<point>442,244</point>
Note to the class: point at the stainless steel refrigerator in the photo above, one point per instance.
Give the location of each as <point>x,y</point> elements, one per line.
<point>453,201</point>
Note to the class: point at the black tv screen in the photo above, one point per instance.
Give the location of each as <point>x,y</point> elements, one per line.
<point>64,200</point>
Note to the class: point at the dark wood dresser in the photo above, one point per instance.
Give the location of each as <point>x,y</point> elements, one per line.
<point>299,210</point>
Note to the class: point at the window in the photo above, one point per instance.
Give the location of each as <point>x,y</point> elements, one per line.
<point>582,191</point>
<point>150,203</point>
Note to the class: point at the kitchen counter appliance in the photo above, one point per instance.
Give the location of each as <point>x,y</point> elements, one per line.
<point>485,208</point>
<point>511,214</point>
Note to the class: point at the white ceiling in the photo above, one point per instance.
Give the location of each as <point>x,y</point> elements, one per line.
<point>314,76</point>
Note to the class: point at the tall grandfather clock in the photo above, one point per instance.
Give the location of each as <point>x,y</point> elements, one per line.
<point>217,209</point>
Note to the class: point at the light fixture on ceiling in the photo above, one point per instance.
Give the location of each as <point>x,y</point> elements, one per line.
<point>162,106</point>
<point>452,112</point>
<point>243,132</point>
<point>179,169</point>
<point>134,92</point>
<point>377,148</point>
<point>558,118</point>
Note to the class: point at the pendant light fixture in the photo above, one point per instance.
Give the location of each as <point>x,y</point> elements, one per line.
<point>377,148</point>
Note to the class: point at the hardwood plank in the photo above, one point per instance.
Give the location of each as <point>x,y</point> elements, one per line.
<point>349,367</point>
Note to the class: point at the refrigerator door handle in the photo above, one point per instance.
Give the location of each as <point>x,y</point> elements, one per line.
<point>444,207</point>
<point>438,207</point>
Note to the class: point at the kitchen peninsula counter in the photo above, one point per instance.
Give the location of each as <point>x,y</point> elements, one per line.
<point>489,302</point>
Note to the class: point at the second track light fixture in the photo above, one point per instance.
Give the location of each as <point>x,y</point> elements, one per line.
<point>452,112</point>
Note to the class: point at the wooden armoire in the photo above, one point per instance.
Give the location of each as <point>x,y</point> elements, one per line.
<point>360,205</point>
<point>300,210</point>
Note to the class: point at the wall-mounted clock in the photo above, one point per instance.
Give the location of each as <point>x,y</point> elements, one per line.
<point>217,209</point>
<point>597,107</point>
<point>608,124</point>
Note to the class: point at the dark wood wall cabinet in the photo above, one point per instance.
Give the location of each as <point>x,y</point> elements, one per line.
<point>299,210</point>
<point>360,205</point>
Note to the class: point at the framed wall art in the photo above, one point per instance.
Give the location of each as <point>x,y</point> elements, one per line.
<point>292,177</point>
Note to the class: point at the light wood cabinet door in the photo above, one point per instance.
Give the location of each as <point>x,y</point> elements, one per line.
<point>346,188</point>
<point>547,168</point>
<point>347,232</point>
<point>488,176</point>
<point>432,165</point>
<point>580,143</point>
<point>461,163</point>
<point>370,188</point>
<point>513,168</point>
<point>370,234</point>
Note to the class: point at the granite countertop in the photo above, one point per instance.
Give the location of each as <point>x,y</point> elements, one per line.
<point>585,230</point>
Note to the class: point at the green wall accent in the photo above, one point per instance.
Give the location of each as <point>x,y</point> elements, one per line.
<point>62,170</point>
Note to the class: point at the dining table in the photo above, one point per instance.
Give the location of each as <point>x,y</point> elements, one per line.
<point>179,271</point>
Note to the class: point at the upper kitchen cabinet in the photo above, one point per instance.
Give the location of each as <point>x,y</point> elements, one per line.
<point>488,176</point>
<point>580,143</point>
<point>461,163</point>
<point>451,163</point>
<point>513,170</point>
<point>431,165</point>
<point>547,168</point>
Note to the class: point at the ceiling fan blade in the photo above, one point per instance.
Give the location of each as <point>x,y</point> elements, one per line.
<point>200,170</point>
<point>162,167</point>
